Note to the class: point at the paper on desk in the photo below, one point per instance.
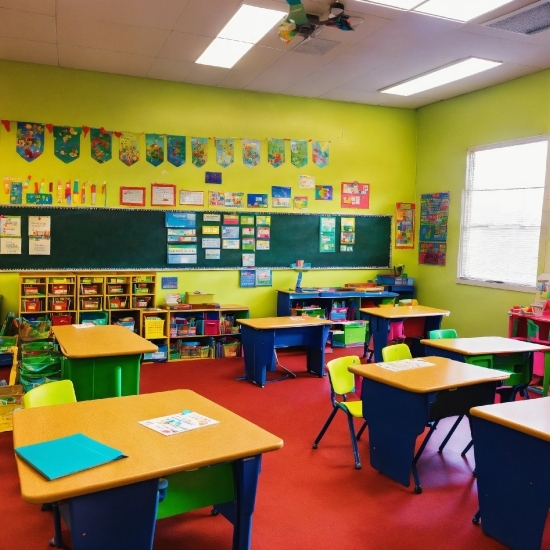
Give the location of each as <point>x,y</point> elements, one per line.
<point>178,423</point>
<point>405,364</point>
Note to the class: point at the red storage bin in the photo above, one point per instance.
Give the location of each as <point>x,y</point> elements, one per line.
<point>211,327</point>
<point>62,320</point>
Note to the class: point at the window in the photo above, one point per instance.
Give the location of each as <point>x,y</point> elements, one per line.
<point>502,214</point>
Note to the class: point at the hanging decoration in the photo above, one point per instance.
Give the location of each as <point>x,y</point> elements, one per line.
<point>66,143</point>
<point>30,140</point>
<point>199,151</point>
<point>320,153</point>
<point>225,151</point>
<point>404,224</point>
<point>176,150</point>
<point>434,216</point>
<point>298,152</point>
<point>251,152</point>
<point>129,148</point>
<point>276,152</point>
<point>154,148</point>
<point>101,145</point>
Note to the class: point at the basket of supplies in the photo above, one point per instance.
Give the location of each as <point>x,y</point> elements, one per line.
<point>231,349</point>
<point>194,350</point>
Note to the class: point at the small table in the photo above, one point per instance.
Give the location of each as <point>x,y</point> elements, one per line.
<point>261,336</point>
<point>115,505</point>
<point>461,348</point>
<point>512,453</point>
<point>101,361</point>
<point>379,319</point>
<point>398,405</point>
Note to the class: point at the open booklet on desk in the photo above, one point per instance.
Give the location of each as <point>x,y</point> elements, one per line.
<point>178,423</point>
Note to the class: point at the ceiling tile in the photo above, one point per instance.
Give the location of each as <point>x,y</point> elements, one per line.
<point>354,96</point>
<point>184,47</point>
<point>257,60</point>
<point>206,75</point>
<point>110,36</point>
<point>26,25</point>
<point>16,49</point>
<point>45,7</point>
<point>104,61</point>
<point>410,102</point>
<point>170,69</point>
<point>206,17</point>
<point>159,14</point>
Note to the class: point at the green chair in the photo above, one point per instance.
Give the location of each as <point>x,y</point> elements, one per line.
<point>342,383</point>
<point>396,352</point>
<point>442,333</point>
<point>533,336</point>
<point>52,393</point>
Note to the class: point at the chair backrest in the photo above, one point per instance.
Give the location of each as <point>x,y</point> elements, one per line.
<point>442,333</point>
<point>52,393</point>
<point>341,379</point>
<point>396,352</point>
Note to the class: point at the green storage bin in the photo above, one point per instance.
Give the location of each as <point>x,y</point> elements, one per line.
<point>96,317</point>
<point>100,377</point>
<point>353,334</point>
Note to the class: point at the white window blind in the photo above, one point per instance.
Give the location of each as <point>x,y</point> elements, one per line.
<point>502,211</point>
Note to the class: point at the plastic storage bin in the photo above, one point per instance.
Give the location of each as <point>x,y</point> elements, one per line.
<point>154,328</point>
<point>352,334</point>
<point>97,318</point>
<point>192,298</point>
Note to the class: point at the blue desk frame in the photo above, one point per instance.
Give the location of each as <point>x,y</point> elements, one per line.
<point>259,346</point>
<point>513,483</point>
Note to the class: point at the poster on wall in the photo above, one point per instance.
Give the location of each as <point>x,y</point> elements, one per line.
<point>404,224</point>
<point>434,216</point>
<point>355,195</point>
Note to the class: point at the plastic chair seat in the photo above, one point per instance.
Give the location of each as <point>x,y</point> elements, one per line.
<point>396,352</point>
<point>355,408</point>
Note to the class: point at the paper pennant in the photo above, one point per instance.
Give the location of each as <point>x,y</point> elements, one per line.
<point>276,152</point>
<point>298,153</point>
<point>199,151</point>
<point>66,142</point>
<point>251,152</point>
<point>101,145</point>
<point>30,140</point>
<point>154,149</point>
<point>176,150</point>
<point>225,151</point>
<point>85,130</point>
<point>6,124</point>
<point>49,127</point>
<point>320,153</point>
<point>128,151</point>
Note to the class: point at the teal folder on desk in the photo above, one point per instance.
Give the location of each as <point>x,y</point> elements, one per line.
<point>67,455</point>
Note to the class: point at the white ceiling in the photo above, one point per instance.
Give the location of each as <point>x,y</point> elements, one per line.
<point>162,38</point>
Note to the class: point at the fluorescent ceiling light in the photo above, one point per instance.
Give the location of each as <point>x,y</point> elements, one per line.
<point>243,30</point>
<point>460,10</point>
<point>403,4</point>
<point>450,73</point>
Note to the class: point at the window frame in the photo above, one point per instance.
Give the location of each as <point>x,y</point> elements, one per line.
<point>543,262</point>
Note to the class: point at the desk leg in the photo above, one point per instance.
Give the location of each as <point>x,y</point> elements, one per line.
<point>380,328</point>
<point>123,517</point>
<point>316,351</point>
<point>258,346</point>
<point>513,484</point>
<point>239,512</point>
<point>395,419</point>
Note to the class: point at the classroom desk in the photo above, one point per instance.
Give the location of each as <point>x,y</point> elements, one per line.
<point>115,505</point>
<point>459,348</point>
<point>261,336</point>
<point>399,405</point>
<point>101,361</point>
<point>379,319</point>
<point>512,453</point>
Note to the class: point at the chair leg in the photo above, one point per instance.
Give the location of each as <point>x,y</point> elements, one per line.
<point>451,432</point>
<point>417,486</point>
<point>360,432</point>
<point>324,428</point>
<point>278,364</point>
<point>354,442</point>
<point>57,540</point>
<point>467,448</point>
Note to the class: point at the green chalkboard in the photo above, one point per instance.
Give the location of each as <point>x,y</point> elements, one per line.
<point>116,238</point>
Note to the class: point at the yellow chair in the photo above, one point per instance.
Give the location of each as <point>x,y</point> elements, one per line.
<point>396,352</point>
<point>342,383</point>
<point>53,393</point>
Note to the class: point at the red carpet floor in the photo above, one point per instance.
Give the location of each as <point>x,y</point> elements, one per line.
<point>307,499</point>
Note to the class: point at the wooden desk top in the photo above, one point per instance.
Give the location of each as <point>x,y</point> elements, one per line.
<point>114,422</point>
<point>444,375</point>
<point>268,323</point>
<point>100,341</point>
<point>531,416</point>
<point>484,345</point>
<point>402,312</point>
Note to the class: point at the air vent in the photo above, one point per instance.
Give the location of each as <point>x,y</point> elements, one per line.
<point>315,46</point>
<point>529,20</point>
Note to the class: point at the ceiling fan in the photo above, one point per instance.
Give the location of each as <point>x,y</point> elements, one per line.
<point>307,25</point>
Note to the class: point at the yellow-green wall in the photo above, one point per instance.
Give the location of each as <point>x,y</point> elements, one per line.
<point>513,110</point>
<point>369,144</point>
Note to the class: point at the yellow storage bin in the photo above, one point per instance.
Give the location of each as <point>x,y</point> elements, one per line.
<point>202,298</point>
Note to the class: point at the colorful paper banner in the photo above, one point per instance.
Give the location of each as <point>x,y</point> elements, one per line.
<point>320,153</point>
<point>176,150</point>
<point>199,151</point>
<point>101,145</point>
<point>251,152</point>
<point>129,148</point>
<point>30,140</point>
<point>276,152</point>
<point>298,152</point>
<point>66,143</point>
<point>154,149</point>
<point>225,151</point>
